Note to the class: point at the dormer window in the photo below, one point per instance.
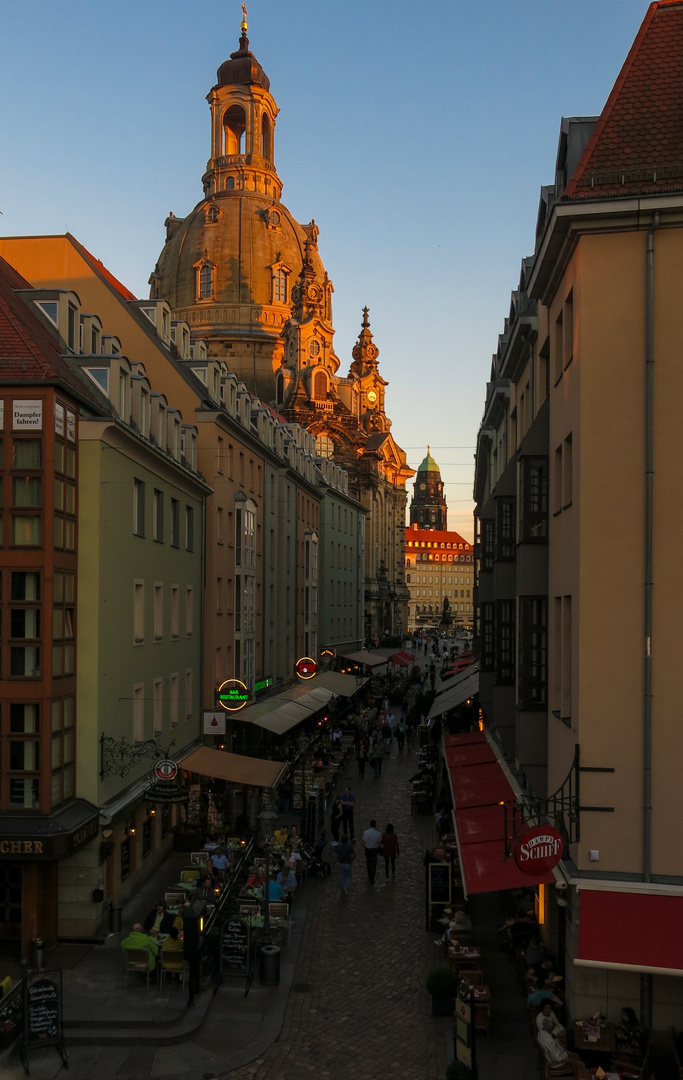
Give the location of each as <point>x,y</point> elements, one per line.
<point>204,271</point>
<point>48,308</point>
<point>212,215</point>
<point>279,287</point>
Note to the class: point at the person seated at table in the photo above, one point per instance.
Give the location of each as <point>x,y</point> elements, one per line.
<point>547,1011</point>
<point>138,939</point>
<point>537,998</point>
<point>159,920</point>
<point>204,864</point>
<point>454,923</point>
<point>220,860</point>
<point>292,858</point>
<point>629,1034</point>
<point>550,1043</point>
<point>257,878</point>
<point>211,844</point>
<point>172,951</point>
<point>280,835</point>
<point>272,890</point>
<point>204,890</point>
<point>286,879</point>
<point>293,838</point>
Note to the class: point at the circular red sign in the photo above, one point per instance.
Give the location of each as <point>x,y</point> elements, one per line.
<point>539,849</point>
<point>306,667</point>
<point>439,853</point>
<point>166,770</point>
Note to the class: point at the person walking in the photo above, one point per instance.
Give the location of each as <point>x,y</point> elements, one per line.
<point>348,800</point>
<point>336,818</point>
<point>345,856</point>
<point>390,850</point>
<point>372,838</point>
<point>401,734</point>
<point>377,754</point>
<point>362,755</point>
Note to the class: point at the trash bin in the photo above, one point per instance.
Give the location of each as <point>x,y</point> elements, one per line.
<point>270,965</point>
<point>115,919</point>
<point>38,954</point>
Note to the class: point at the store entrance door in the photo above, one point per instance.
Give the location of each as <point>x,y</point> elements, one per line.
<point>10,907</point>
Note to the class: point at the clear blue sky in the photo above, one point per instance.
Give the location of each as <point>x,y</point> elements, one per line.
<point>417,135</point>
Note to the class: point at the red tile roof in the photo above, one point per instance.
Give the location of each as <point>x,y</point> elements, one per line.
<point>637,144</point>
<point>28,351</point>
<point>435,537</point>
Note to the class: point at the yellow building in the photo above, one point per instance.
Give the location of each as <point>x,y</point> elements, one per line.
<point>579,510</point>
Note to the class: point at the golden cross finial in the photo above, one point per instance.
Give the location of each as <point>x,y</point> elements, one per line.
<point>428,449</point>
<point>244,26</point>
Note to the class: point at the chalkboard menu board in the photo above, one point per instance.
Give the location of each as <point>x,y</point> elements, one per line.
<point>235,947</point>
<point>43,1019</point>
<point>439,883</point>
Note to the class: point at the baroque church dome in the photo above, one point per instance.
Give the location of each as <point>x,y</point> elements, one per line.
<point>229,267</point>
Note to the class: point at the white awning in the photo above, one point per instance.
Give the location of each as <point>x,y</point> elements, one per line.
<point>466,687</point>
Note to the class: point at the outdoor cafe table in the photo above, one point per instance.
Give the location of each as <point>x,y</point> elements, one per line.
<point>606,1042</point>
<point>482,994</point>
<point>466,955</point>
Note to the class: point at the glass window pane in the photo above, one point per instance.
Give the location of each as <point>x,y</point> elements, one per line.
<point>25,585</point>
<point>23,719</point>
<point>68,712</point>
<point>59,531</point>
<point>56,788</point>
<point>24,793</point>
<point>57,623</point>
<point>71,498</point>
<point>26,530</point>
<point>56,715</point>
<point>68,747</point>
<point>56,752</point>
<point>58,587</point>
<point>68,782</point>
<point>27,490</point>
<point>59,457</point>
<point>71,463</point>
<point>68,623</point>
<point>59,494</point>
<point>70,536</point>
<point>68,659</point>
<point>69,588</point>
<point>24,662</point>
<point>25,622</point>
<point>57,660</point>
<point>24,756</point>
<point>27,454</point>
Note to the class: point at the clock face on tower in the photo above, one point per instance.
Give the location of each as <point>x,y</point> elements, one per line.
<point>423,487</point>
<point>372,397</point>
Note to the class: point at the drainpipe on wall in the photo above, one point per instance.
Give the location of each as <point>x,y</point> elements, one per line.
<point>646,980</point>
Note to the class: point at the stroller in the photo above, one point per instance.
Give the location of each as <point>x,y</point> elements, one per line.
<point>315,863</point>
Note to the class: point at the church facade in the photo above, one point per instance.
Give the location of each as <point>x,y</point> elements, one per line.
<point>249,281</point>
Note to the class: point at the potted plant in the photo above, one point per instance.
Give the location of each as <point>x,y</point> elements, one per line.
<point>8,1033</point>
<point>442,985</point>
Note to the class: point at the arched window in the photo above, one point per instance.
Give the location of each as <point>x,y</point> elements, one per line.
<point>230,183</point>
<point>324,447</point>
<point>320,386</point>
<point>265,138</point>
<point>234,124</point>
<point>279,388</point>
<point>212,214</point>
<point>280,287</point>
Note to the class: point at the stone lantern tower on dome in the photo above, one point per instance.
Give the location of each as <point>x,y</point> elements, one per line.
<point>428,508</point>
<point>230,267</point>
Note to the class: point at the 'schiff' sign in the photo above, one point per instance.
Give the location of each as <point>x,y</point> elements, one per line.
<point>539,849</point>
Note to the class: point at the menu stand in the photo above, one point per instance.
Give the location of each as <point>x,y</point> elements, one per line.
<point>43,1020</point>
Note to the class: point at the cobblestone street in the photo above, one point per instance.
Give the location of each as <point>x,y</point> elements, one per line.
<point>358,1005</point>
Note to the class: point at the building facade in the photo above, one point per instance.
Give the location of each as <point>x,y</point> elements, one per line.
<point>439,563</point>
<point>578,576</point>
<point>247,278</point>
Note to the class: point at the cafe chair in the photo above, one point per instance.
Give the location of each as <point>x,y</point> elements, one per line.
<point>172,964</point>
<point>482,1018</point>
<point>189,875</point>
<point>198,856</point>
<point>279,909</point>
<point>475,978</point>
<point>629,1069</point>
<point>137,960</point>
<point>249,907</point>
<point>174,897</point>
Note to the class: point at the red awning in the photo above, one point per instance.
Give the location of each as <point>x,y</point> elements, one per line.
<point>471,754</point>
<point>459,665</point>
<point>485,869</point>
<point>403,659</point>
<point>631,931</point>
<point>479,785</point>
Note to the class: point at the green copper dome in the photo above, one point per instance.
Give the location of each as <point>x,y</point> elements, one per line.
<point>428,465</point>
